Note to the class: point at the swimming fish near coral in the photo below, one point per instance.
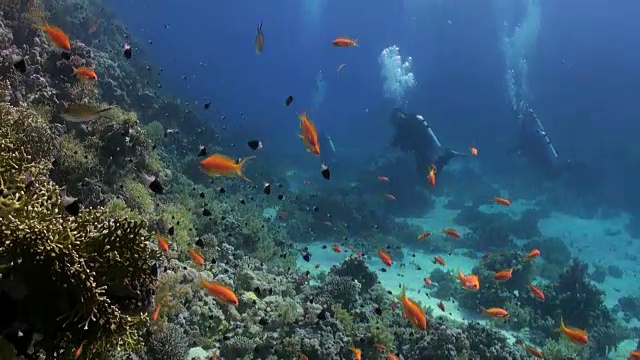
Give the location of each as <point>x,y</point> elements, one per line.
<point>222,165</point>
<point>309,134</point>
<point>163,244</point>
<point>536,292</point>
<point>495,312</point>
<point>196,257</point>
<point>57,36</point>
<point>469,282</point>
<point>503,275</point>
<point>154,184</point>
<point>82,112</point>
<point>532,255</point>
<point>575,335</point>
<point>220,291</point>
<point>452,233</point>
<point>85,73</point>
<point>386,259</point>
<point>19,63</point>
<point>357,353</point>
<point>412,311</point>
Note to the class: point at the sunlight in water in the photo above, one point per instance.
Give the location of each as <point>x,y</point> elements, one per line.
<point>312,12</point>
<point>417,12</point>
<point>519,41</point>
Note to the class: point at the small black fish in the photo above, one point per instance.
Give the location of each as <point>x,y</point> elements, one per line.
<point>153,184</point>
<point>324,246</point>
<point>263,321</point>
<point>257,291</point>
<point>378,311</point>
<point>71,205</point>
<point>242,202</point>
<point>199,242</point>
<point>207,105</point>
<point>288,101</point>
<point>203,151</point>
<point>270,292</point>
<point>202,194</point>
<point>316,209</point>
<point>19,63</point>
<point>255,144</point>
<point>280,197</point>
<point>267,188</point>
<point>206,212</point>
<point>222,190</point>
<point>213,261</point>
<point>65,55</point>
<point>171,231</point>
<point>322,315</point>
<point>383,270</point>
<point>127,51</point>
<point>326,173</point>
<point>306,256</point>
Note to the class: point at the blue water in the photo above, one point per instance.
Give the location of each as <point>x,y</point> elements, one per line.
<point>582,78</point>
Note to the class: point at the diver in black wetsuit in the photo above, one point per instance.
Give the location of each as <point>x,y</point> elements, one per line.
<point>414,135</point>
<point>534,144</point>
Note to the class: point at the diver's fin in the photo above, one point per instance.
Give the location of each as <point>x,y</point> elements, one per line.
<point>446,156</point>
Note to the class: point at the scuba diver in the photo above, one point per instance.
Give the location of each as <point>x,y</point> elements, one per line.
<point>414,135</point>
<point>327,149</point>
<point>534,144</point>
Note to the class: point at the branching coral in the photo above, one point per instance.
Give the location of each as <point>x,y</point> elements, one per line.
<point>74,280</point>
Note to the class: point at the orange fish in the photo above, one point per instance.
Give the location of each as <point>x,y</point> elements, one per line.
<point>336,248</point>
<point>575,335</point>
<point>357,353</point>
<point>634,354</point>
<point>441,305</point>
<point>501,201</point>
<point>389,196</point>
<point>427,281</point>
<point>155,314</point>
<point>197,258</point>
<point>344,42</point>
<point>386,259</point>
<point>469,282</point>
<point>58,37</point>
<point>534,352</point>
<point>451,233</point>
<point>220,291</point>
<point>380,347</point>
<point>431,178</point>
<point>438,260</point>
<point>85,73</point>
<point>412,311</point>
<point>424,235</point>
<point>163,244</point>
<point>303,357</point>
<point>536,292</point>
<point>495,312</point>
<point>309,134</point>
<point>390,356</point>
<point>474,151</point>
<point>221,165</point>
<point>78,351</point>
<point>383,178</point>
<point>503,275</point>
<point>532,255</point>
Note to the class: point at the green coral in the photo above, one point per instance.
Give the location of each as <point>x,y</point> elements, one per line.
<point>178,216</point>
<point>155,132</point>
<point>75,161</point>
<point>118,208</point>
<point>138,197</point>
<point>82,280</point>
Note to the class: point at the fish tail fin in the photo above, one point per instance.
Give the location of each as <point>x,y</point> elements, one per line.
<point>559,329</point>
<point>483,309</point>
<point>241,165</point>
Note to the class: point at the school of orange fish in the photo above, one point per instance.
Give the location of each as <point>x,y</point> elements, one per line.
<point>221,165</point>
